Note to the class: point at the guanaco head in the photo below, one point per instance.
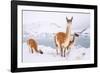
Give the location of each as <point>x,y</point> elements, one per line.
<point>69,19</point>
<point>76,34</point>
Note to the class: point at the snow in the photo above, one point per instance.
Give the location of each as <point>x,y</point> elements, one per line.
<point>43,25</point>
<point>49,54</point>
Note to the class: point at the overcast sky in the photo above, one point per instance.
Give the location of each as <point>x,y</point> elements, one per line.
<point>34,21</point>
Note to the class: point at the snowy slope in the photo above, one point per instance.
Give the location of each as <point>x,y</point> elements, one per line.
<point>49,55</point>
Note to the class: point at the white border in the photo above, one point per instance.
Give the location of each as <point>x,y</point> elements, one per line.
<point>19,51</point>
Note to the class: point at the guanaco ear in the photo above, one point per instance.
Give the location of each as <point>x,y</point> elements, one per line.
<point>66,18</point>
<point>72,18</point>
<point>69,19</point>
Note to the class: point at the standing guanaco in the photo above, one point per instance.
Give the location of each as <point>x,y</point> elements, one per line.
<point>62,39</point>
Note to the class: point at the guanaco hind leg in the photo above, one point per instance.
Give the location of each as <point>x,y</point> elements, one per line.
<point>32,51</point>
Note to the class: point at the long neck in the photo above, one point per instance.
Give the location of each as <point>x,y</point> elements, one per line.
<point>68,29</point>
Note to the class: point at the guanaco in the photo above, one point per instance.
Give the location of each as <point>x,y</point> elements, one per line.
<point>72,41</point>
<point>33,46</point>
<point>62,39</point>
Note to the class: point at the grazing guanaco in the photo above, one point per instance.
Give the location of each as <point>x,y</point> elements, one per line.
<point>62,39</point>
<point>33,46</point>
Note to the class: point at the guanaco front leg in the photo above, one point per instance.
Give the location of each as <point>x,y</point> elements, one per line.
<point>32,51</point>
<point>61,51</point>
<point>65,52</point>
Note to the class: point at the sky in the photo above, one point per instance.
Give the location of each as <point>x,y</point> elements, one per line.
<point>52,22</point>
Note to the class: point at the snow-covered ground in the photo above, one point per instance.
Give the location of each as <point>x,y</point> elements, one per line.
<point>49,54</point>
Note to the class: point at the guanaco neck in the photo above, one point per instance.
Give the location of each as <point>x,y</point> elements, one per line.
<point>68,29</point>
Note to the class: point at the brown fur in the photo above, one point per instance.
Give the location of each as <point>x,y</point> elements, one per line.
<point>61,37</point>
<point>33,45</point>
